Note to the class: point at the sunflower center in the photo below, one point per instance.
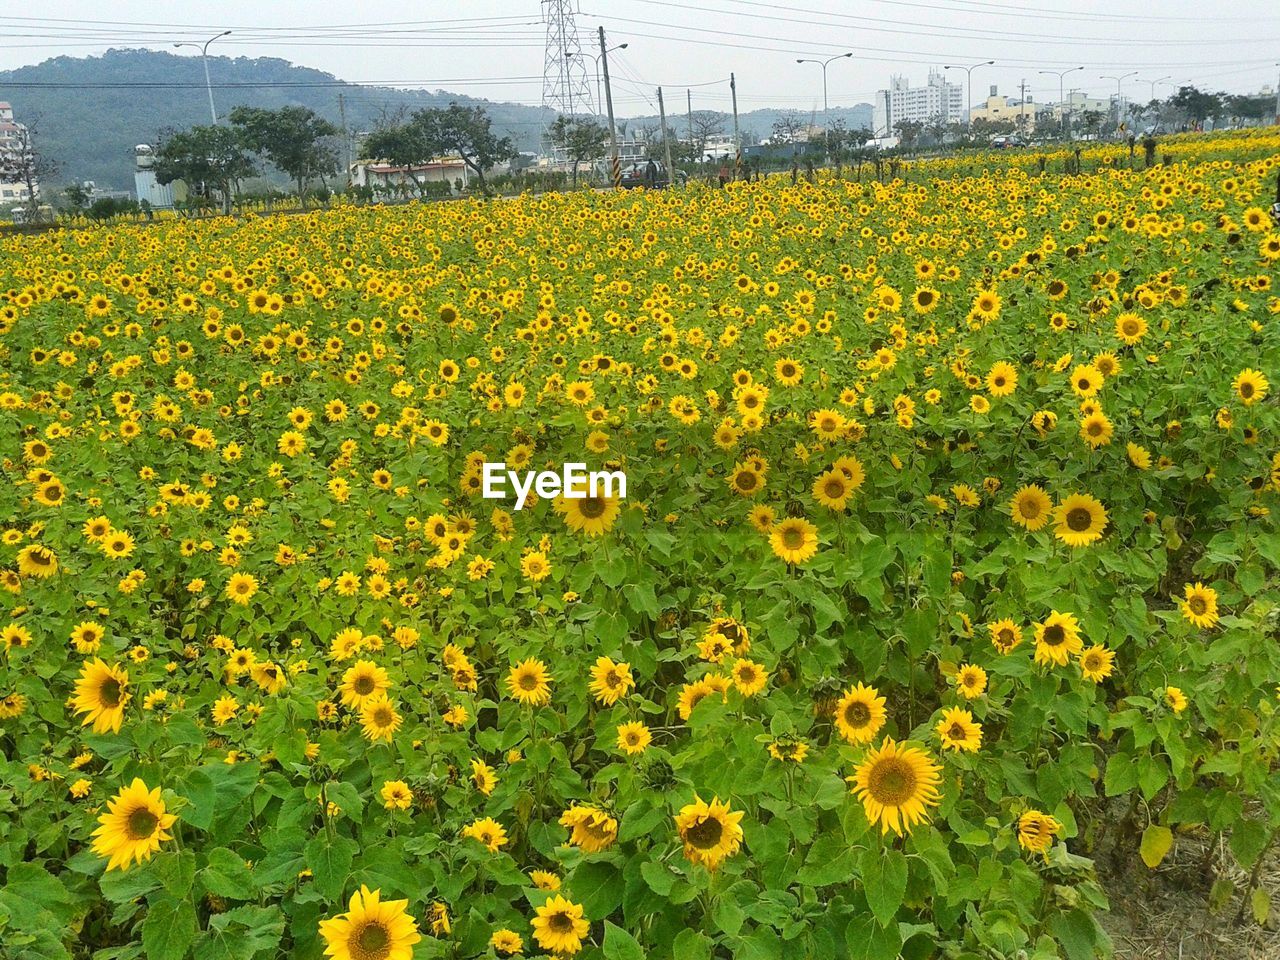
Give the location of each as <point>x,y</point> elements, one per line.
<point>528,682</point>
<point>109,692</point>
<point>371,943</point>
<point>892,782</point>
<point>363,686</point>
<point>857,714</point>
<point>793,538</point>
<point>1197,605</point>
<point>705,834</point>
<point>955,732</point>
<point>382,717</point>
<point>1029,508</point>
<point>592,507</point>
<point>746,480</point>
<point>1246,389</point>
<point>560,922</point>
<point>1054,635</point>
<point>1079,519</point>
<point>142,824</point>
<point>834,489</point>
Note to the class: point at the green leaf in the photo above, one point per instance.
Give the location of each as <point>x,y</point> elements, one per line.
<point>658,876</point>
<point>598,886</point>
<point>885,879</point>
<point>1079,935</point>
<point>201,796</point>
<point>169,929</point>
<point>227,875</point>
<point>330,863</point>
<point>830,860</point>
<point>1157,841</point>
<point>691,945</point>
<point>241,934</point>
<point>868,940</point>
<point>1260,905</point>
<point>620,945</point>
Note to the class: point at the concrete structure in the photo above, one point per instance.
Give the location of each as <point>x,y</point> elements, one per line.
<point>997,108</point>
<point>157,196</point>
<point>901,101</point>
<point>13,140</point>
<point>381,175</point>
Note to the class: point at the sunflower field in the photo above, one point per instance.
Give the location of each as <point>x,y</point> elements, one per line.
<point>946,570</point>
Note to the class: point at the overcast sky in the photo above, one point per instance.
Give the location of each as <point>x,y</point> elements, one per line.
<point>495,48</point>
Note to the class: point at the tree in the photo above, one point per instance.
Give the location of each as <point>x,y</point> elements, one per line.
<point>23,163</point>
<point>1092,121</point>
<point>205,157</point>
<point>1196,105</point>
<point>403,145</point>
<point>580,138</point>
<point>77,197</point>
<point>787,127</point>
<point>467,133</point>
<point>908,133</point>
<point>936,127</point>
<point>703,125</point>
<point>297,140</point>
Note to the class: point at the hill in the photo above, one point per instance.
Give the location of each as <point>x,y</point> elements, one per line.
<point>89,112</point>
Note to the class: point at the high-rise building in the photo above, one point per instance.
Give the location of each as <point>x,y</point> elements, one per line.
<point>939,98</point>
<point>13,144</point>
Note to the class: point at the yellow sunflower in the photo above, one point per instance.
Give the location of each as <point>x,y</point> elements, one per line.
<point>101,694</point>
<point>133,827</point>
<point>897,784</point>
<point>958,731</point>
<point>559,926</point>
<point>1031,507</point>
<point>711,832</point>
<point>1057,639</point>
<point>529,682</point>
<point>794,540</point>
<point>860,714</point>
<point>1080,520</point>
<point>371,929</point>
<point>1200,605</point>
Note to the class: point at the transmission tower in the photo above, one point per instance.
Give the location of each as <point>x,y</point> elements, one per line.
<point>565,89</point>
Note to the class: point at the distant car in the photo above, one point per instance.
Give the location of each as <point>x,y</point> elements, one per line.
<point>633,175</point>
<point>1005,143</point>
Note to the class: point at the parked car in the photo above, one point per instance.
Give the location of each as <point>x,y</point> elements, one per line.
<point>1008,142</point>
<point>633,175</point>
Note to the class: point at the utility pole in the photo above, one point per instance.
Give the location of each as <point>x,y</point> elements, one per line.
<point>737,142</point>
<point>688,98</point>
<point>666,144</point>
<point>346,134</point>
<point>615,160</point>
<point>1278,97</point>
<point>1120,95</point>
<point>204,55</point>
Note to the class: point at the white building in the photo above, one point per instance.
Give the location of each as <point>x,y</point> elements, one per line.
<point>901,101</point>
<point>158,196</point>
<point>388,177</point>
<point>13,141</point>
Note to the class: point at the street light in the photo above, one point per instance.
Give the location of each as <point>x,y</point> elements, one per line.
<point>1066,116</point>
<point>1120,94</point>
<point>204,53</point>
<point>1154,82</point>
<point>596,57</point>
<point>968,82</point>
<point>826,133</point>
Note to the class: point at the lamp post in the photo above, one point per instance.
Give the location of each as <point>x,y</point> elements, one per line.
<point>1066,120</point>
<point>826,133</point>
<point>968,83</point>
<point>204,55</point>
<point>596,58</point>
<point>1120,94</point>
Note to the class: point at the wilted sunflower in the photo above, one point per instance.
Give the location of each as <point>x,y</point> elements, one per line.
<point>101,694</point>
<point>1057,639</point>
<point>1200,605</point>
<point>794,540</point>
<point>711,832</point>
<point>133,827</point>
<point>589,827</point>
<point>958,730</point>
<point>529,683</point>
<point>1080,520</point>
<point>559,926</point>
<point>860,714</point>
<point>371,929</point>
<point>1036,831</point>
<point>897,784</point>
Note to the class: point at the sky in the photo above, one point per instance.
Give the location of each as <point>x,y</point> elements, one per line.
<point>495,48</point>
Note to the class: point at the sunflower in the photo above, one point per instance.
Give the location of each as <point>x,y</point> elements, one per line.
<point>1200,605</point>
<point>101,694</point>
<point>971,681</point>
<point>1250,386</point>
<point>488,831</point>
<point>363,681</point>
<point>133,827</point>
<point>610,681</point>
<point>745,480</point>
<point>1175,699</point>
<point>1130,328</point>
<point>1057,639</point>
<point>396,795</point>
<point>1002,379</point>
<point>711,832</point>
<point>506,942</point>
<point>1096,662</point>
<point>860,714</point>
<point>371,929</point>
<point>1005,635</point>
<point>559,926</point>
<point>958,731</point>
<point>36,560</point>
<point>1030,507</point>
<point>749,677</point>
<point>379,719</point>
<point>897,784</point>
<point>483,777</point>
<point>1036,831</point>
<point>788,372</point>
<point>1096,430</point>
<point>1080,520</point>
<point>794,540</point>
<point>590,828</point>
<point>633,737</point>
<point>241,588</point>
<point>1086,381</point>
<point>591,515</point>
<point>833,490</point>
<point>529,683</point>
